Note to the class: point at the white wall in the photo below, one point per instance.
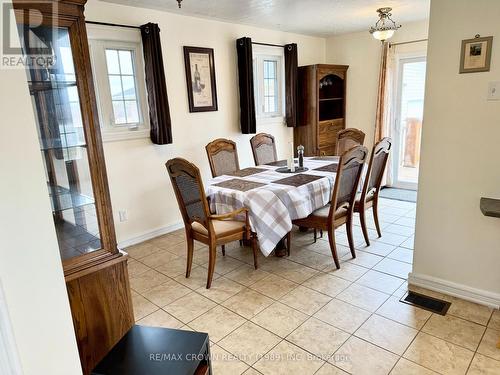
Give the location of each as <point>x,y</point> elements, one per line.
<point>460,159</point>
<point>30,266</point>
<point>137,176</point>
<point>362,53</point>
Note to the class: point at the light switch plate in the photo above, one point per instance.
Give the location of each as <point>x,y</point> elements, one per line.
<point>494,90</point>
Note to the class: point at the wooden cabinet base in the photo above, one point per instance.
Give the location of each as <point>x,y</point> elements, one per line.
<point>101,306</point>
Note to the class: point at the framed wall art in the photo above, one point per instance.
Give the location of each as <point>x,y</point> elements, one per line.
<point>200,79</point>
<point>476,54</point>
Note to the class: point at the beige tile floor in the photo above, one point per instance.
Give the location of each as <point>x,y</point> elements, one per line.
<point>299,315</point>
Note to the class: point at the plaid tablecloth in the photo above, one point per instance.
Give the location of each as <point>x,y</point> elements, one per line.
<point>274,199</point>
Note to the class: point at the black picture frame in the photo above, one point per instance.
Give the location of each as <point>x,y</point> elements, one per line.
<point>200,100</point>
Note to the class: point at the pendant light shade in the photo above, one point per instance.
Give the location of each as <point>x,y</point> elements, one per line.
<point>385,26</point>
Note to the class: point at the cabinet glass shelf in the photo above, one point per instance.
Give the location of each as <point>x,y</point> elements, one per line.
<point>48,148</point>
<point>64,199</point>
<point>50,85</point>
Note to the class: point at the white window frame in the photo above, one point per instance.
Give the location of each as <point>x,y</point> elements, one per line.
<point>401,59</point>
<point>261,53</point>
<point>100,39</point>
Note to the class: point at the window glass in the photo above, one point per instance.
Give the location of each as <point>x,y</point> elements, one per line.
<point>131,111</point>
<point>270,86</point>
<point>268,82</point>
<point>122,83</point>
<point>126,62</point>
<point>119,112</point>
<point>112,60</point>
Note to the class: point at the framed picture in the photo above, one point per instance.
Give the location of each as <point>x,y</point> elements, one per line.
<point>476,54</point>
<point>200,79</point>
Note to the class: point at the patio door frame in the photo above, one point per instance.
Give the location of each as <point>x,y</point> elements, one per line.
<point>396,130</point>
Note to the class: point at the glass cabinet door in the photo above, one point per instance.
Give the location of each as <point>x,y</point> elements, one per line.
<point>63,147</point>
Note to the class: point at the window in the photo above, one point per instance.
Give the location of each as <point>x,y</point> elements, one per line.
<point>118,68</point>
<point>268,82</point>
<point>407,125</point>
<point>122,79</point>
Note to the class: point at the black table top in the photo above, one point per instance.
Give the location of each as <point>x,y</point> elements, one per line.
<point>155,351</point>
<point>490,207</point>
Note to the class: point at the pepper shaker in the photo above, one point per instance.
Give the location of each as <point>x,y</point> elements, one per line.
<point>300,153</point>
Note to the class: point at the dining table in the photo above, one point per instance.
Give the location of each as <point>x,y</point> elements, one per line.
<point>274,198</point>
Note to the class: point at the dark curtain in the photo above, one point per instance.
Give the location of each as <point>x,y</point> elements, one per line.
<point>291,84</point>
<point>245,77</point>
<point>159,111</point>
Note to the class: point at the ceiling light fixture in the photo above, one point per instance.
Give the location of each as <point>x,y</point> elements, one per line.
<point>179,2</point>
<point>385,26</point>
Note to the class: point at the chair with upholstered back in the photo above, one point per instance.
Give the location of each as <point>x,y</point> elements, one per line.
<point>371,187</point>
<point>222,156</point>
<point>340,209</point>
<point>199,223</point>
<point>347,139</point>
<point>263,149</point>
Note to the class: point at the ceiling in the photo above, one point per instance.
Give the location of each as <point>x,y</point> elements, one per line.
<point>310,17</point>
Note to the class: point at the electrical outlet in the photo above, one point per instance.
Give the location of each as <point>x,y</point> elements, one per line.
<point>123,215</point>
<point>494,90</point>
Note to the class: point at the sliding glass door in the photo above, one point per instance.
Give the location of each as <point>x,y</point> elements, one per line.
<point>408,121</point>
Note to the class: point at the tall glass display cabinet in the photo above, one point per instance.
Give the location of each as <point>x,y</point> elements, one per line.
<point>59,79</point>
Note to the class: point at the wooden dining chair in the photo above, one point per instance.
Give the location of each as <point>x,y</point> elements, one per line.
<point>348,138</point>
<point>222,156</point>
<point>371,187</point>
<point>340,209</point>
<point>199,223</point>
<point>263,149</point>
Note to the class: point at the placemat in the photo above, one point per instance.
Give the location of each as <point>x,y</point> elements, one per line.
<point>297,170</point>
<point>238,184</point>
<point>323,158</point>
<point>247,172</point>
<point>328,168</point>
<point>297,180</point>
<point>279,163</point>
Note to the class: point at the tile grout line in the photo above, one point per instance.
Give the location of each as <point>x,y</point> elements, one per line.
<point>318,272</point>
<point>279,300</point>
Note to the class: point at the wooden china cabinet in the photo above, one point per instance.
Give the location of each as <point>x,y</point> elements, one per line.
<point>62,91</point>
<point>321,108</point>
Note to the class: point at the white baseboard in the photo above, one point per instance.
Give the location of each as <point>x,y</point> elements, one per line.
<point>482,297</point>
<point>149,235</point>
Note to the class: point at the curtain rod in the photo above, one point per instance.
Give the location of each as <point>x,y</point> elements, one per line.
<point>409,42</point>
<point>268,44</point>
<point>112,24</point>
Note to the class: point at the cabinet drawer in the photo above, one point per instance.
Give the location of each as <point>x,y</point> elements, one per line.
<point>327,132</point>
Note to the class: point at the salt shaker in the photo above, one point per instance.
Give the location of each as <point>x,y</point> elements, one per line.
<point>300,153</point>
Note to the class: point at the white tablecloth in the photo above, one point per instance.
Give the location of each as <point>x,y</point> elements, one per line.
<point>274,205</point>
